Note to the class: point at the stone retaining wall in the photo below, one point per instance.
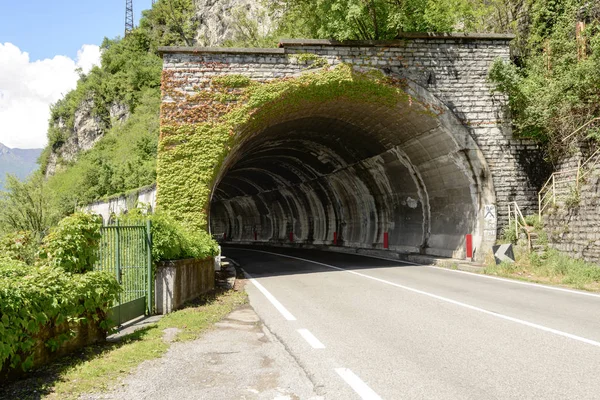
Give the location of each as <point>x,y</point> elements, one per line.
<point>178,281</point>
<point>573,225</point>
<point>85,333</point>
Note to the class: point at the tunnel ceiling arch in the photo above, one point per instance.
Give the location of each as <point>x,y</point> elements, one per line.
<point>339,169</point>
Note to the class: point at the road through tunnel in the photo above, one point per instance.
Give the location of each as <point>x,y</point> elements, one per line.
<point>357,175</point>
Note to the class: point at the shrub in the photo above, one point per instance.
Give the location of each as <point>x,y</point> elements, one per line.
<point>73,244</point>
<point>172,240</point>
<point>19,246</point>
<point>35,298</point>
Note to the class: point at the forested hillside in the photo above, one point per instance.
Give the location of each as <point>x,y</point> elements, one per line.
<point>103,135</point>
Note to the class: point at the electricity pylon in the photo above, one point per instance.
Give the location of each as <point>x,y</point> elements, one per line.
<point>128,16</point>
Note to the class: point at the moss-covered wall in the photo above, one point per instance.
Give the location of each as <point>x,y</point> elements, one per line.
<point>199,130</point>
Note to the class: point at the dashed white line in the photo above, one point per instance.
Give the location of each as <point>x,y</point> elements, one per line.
<point>311,339</point>
<point>361,388</point>
<point>286,314</point>
<point>447,300</point>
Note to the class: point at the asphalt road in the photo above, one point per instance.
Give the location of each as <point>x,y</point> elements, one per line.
<point>369,328</point>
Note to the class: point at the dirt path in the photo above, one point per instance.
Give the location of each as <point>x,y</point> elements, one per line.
<point>239,359</point>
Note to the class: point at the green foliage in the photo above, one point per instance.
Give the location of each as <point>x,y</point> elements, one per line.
<point>73,244</point>
<point>19,246</point>
<point>310,58</point>
<point>26,206</point>
<point>124,159</point>
<point>556,89</point>
<point>565,268</point>
<point>231,81</point>
<point>191,153</point>
<point>171,240</point>
<point>170,22</point>
<point>129,75</point>
<point>34,299</point>
<point>374,19</point>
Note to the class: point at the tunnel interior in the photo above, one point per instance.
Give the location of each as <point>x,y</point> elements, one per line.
<point>353,175</point>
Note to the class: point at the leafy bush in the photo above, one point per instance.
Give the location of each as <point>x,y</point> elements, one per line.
<point>556,87</point>
<point>171,240</point>
<point>73,244</point>
<point>13,268</point>
<point>35,298</point>
<point>18,246</point>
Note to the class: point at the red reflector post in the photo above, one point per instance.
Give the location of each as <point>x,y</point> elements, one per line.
<point>291,236</point>
<point>386,242</point>
<point>335,238</point>
<point>469,242</point>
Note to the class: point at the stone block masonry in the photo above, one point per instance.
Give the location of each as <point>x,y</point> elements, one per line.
<point>573,225</point>
<point>452,69</point>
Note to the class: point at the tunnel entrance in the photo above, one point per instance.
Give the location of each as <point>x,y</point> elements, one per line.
<point>356,175</point>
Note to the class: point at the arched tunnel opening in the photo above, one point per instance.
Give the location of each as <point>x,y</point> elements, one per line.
<point>357,176</point>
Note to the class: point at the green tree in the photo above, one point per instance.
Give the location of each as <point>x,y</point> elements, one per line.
<point>26,206</point>
<point>555,89</point>
<point>374,19</point>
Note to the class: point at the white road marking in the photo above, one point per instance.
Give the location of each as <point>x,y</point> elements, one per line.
<point>496,278</point>
<point>311,339</point>
<point>447,300</point>
<point>286,314</point>
<point>361,388</point>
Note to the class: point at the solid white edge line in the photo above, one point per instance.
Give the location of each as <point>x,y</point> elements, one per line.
<point>286,314</point>
<point>361,388</point>
<point>496,278</point>
<point>311,339</point>
<point>447,300</point>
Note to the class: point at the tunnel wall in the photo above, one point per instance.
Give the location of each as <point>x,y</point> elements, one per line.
<point>447,71</point>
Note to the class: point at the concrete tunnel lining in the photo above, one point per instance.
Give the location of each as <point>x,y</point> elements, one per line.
<point>359,170</point>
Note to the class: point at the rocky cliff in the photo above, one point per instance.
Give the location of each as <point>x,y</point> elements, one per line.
<point>87,130</point>
<point>219,22</point>
<point>222,21</point>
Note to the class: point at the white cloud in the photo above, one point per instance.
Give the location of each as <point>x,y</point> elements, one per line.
<point>28,88</point>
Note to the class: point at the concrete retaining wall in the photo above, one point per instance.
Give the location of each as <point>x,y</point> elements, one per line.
<point>117,205</point>
<point>178,281</point>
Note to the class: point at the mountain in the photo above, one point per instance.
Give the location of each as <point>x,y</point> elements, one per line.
<point>19,162</point>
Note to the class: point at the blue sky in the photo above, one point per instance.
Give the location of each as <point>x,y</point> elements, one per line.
<point>42,44</point>
<point>48,28</point>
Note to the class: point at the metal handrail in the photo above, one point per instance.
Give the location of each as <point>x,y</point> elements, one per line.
<point>580,128</point>
<point>551,190</point>
<point>518,224</point>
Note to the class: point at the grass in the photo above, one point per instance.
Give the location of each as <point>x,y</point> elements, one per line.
<point>552,267</point>
<point>99,368</point>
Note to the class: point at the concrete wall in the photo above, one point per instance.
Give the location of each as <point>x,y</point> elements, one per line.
<point>178,281</point>
<point>425,182</point>
<point>117,205</point>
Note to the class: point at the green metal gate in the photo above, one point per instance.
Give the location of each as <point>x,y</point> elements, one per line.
<point>126,252</point>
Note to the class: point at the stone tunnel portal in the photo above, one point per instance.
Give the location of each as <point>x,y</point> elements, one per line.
<point>358,176</point>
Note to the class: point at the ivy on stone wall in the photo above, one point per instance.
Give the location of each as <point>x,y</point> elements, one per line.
<point>199,130</point>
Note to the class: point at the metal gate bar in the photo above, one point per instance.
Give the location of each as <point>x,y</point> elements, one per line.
<point>126,251</point>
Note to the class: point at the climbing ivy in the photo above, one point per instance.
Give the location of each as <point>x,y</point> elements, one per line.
<point>199,130</point>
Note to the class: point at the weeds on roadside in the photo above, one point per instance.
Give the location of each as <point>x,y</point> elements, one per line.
<point>98,368</point>
<point>551,266</point>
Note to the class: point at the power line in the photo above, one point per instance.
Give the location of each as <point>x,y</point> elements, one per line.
<point>128,16</point>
